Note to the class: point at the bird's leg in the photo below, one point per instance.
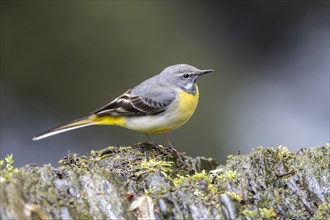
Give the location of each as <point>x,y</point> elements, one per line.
<point>150,140</point>
<point>175,152</point>
<point>154,144</point>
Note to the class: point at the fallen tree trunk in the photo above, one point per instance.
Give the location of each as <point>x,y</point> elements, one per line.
<point>141,182</point>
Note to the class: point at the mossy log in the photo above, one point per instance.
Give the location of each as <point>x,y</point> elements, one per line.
<point>142,182</point>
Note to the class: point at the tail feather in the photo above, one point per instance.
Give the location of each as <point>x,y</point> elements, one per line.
<point>79,123</point>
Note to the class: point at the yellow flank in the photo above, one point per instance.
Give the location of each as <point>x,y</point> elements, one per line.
<point>109,120</point>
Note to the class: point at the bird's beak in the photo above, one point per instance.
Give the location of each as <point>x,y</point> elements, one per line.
<point>202,72</point>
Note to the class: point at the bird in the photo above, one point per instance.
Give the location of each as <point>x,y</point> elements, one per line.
<point>159,104</point>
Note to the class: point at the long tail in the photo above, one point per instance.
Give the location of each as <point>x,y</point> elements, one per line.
<point>79,123</point>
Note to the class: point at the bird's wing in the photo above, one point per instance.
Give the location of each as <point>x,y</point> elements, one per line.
<point>120,106</point>
<point>137,104</point>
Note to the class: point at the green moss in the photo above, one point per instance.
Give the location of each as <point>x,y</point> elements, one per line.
<point>283,152</point>
<point>229,175</point>
<point>7,172</point>
<point>179,180</point>
<point>165,167</point>
<point>125,148</point>
<point>230,156</point>
<point>201,176</point>
<point>249,213</point>
<point>267,213</point>
<point>213,189</point>
<point>306,160</point>
<point>235,196</point>
<point>322,211</point>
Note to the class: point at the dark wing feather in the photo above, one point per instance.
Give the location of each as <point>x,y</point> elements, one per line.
<point>150,106</point>
<point>121,106</point>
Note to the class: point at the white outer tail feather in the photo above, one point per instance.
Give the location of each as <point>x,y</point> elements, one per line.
<point>59,130</point>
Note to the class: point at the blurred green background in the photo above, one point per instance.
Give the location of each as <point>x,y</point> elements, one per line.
<point>62,59</point>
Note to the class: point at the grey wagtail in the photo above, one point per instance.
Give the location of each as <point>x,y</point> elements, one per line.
<point>159,104</point>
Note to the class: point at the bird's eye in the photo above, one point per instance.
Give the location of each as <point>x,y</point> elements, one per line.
<point>186,76</point>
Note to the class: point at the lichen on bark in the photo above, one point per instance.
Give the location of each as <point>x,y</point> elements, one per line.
<point>140,181</point>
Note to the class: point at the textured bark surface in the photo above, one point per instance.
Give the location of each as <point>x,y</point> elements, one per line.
<point>141,182</point>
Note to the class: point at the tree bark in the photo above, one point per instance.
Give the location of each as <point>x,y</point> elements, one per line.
<point>142,182</point>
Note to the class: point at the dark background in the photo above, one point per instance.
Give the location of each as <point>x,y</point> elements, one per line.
<point>62,59</point>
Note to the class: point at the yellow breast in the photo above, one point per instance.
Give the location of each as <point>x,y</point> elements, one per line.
<point>187,105</point>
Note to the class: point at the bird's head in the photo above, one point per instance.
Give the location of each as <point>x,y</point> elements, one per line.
<point>183,76</point>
